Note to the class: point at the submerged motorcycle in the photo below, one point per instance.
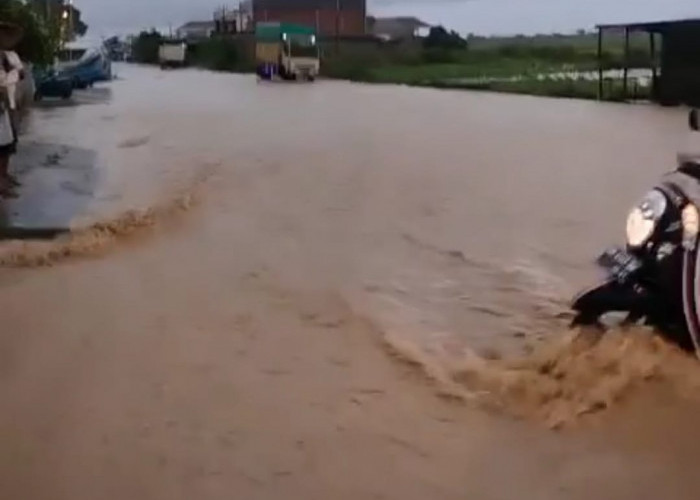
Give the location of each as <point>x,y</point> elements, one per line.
<point>655,278</point>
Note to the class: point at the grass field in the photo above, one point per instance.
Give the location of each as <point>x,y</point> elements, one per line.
<point>573,88</point>
<point>515,64</point>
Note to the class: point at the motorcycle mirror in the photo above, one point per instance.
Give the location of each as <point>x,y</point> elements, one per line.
<point>694,120</point>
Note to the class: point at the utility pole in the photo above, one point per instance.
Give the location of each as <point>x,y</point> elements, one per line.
<point>63,22</point>
<point>70,20</point>
<point>337,26</point>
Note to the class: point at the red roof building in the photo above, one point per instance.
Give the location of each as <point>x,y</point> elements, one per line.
<point>328,17</point>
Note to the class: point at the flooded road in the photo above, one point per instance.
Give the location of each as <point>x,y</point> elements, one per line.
<point>240,343</point>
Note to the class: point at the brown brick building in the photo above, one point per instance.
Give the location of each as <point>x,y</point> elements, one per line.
<point>329,17</point>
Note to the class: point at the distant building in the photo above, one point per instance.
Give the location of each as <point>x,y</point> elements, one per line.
<point>328,17</point>
<point>196,30</point>
<point>397,28</point>
<point>234,20</point>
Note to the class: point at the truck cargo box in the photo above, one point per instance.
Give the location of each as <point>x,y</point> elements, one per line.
<point>172,53</point>
<point>267,52</point>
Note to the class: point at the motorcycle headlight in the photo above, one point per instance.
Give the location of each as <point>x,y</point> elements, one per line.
<point>643,218</point>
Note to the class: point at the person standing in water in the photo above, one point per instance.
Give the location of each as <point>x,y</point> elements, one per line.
<point>10,74</point>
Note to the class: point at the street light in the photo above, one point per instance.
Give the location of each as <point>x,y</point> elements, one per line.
<point>66,21</point>
<point>70,15</point>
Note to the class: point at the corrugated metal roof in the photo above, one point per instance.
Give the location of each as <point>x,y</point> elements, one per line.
<point>391,24</point>
<point>198,25</point>
<point>651,25</point>
<point>281,5</point>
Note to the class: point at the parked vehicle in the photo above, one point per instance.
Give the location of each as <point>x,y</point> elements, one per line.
<point>655,277</point>
<point>288,51</point>
<point>94,65</point>
<point>49,84</point>
<point>172,54</point>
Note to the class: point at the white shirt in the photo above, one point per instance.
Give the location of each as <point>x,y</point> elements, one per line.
<point>6,134</point>
<point>10,79</point>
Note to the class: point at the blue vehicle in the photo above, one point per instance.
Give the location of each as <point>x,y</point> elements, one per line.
<point>93,65</point>
<point>48,84</point>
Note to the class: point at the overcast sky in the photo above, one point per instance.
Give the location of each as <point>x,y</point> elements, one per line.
<point>107,17</point>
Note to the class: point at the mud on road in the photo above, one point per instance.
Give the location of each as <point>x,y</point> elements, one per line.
<point>348,240</point>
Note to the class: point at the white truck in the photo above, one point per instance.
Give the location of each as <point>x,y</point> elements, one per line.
<point>172,54</point>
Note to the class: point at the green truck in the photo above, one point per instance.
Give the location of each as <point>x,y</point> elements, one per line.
<point>288,51</point>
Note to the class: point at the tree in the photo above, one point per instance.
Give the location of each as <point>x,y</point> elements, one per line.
<point>61,16</point>
<point>46,24</point>
<point>39,42</point>
<point>440,38</point>
<point>145,47</point>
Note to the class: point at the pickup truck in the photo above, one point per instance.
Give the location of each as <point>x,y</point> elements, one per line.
<point>50,84</point>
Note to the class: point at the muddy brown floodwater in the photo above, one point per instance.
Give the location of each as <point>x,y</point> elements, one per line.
<point>337,291</point>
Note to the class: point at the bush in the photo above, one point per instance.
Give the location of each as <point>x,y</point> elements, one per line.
<point>438,56</point>
<point>145,47</point>
<point>219,54</point>
<point>558,54</point>
<point>347,68</point>
<point>440,38</point>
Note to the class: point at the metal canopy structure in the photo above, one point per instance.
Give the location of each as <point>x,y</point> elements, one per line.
<point>650,27</point>
<point>668,44</point>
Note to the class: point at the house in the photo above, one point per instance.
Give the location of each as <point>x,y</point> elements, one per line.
<point>328,17</point>
<point>196,29</point>
<point>397,28</point>
<point>234,20</point>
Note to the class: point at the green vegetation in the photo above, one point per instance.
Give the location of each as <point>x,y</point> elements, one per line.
<point>220,54</point>
<point>578,88</point>
<point>39,42</point>
<point>217,54</point>
<point>440,38</point>
<point>431,66</point>
<point>543,65</point>
<point>145,47</point>
<point>44,29</point>
<point>546,65</point>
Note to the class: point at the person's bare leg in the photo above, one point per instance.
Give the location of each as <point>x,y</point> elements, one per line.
<point>6,190</point>
<point>7,175</point>
<point>4,166</point>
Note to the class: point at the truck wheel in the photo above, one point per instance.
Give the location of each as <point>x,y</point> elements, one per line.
<point>285,75</point>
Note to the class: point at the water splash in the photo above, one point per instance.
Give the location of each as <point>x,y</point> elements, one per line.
<point>94,240</point>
